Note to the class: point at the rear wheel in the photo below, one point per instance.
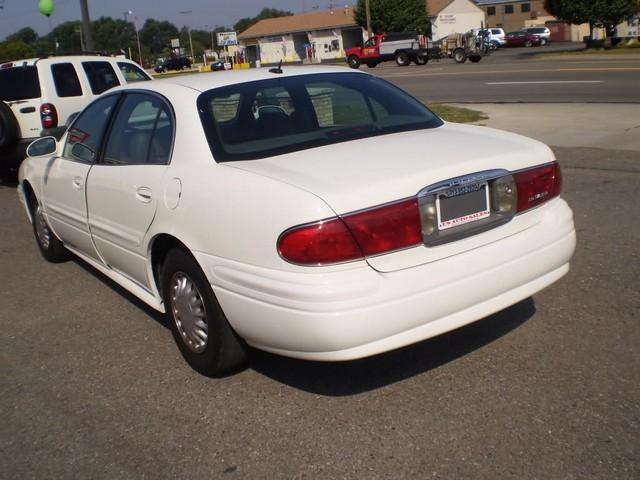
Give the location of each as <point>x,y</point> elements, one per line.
<point>475,58</point>
<point>372,64</point>
<point>354,61</point>
<point>528,44</point>
<point>421,60</point>
<point>50,246</point>
<point>203,334</point>
<point>459,55</point>
<point>543,41</point>
<point>402,59</point>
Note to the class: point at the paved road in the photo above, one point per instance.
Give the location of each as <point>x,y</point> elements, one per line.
<point>93,387</point>
<point>515,76</point>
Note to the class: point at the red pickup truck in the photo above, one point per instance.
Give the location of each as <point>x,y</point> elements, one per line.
<point>403,47</point>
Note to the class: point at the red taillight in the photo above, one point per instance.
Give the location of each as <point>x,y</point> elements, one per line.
<point>537,185</point>
<point>386,228</point>
<point>48,115</point>
<point>354,236</point>
<point>320,243</point>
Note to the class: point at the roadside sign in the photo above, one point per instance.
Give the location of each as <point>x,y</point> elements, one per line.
<point>227,38</point>
<point>175,43</point>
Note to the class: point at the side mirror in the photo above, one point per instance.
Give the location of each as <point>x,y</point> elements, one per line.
<point>42,146</point>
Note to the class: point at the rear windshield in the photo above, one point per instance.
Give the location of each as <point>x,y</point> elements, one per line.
<point>271,117</point>
<point>536,30</point>
<point>19,83</point>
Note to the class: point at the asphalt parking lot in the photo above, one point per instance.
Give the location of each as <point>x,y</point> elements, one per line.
<point>93,386</point>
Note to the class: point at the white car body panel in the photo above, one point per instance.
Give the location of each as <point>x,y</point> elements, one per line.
<point>230,215</point>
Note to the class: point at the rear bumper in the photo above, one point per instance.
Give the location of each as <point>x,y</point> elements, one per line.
<point>360,312</point>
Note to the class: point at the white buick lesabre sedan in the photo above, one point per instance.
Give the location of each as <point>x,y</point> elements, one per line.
<point>316,213</point>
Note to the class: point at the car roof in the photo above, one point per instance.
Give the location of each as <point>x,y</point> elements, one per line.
<point>206,81</point>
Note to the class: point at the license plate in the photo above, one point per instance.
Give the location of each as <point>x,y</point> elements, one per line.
<point>462,205</point>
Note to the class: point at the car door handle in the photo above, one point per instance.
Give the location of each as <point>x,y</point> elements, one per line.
<point>78,182</point>
<point>143,194</point>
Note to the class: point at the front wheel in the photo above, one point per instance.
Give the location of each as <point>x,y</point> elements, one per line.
<point>528,44</point>
<point>353,61</point>
<point>372,64</point>
<point>402,59</point>
<point>50,246</point>
<point>422,60</point>
<point>475,58</point>
<point>205,339</point>
<point>543,42</point>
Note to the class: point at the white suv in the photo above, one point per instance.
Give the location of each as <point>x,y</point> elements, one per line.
<point>38,95</point>
<point>495,35</point>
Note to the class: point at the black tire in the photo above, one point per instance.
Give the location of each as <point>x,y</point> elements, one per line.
<point>421,60</point>
<point>402,59</point>
<point>223,351</point>
<point>50,246</point>
<point>459,55</point>
<point>495,44</point>
<point>528,44</point>
<point>372,64</point>
<point>8,127</point>
<point>353,61</point>
<point>543,42</point>
<point>475,58</point>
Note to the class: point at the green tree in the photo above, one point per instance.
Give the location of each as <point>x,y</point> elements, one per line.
<point>394,15</point>
<point>15,50</point>
<point>27,35</point>
<point>113,36</point>
<point>157,35</point>
<point>244,23</point>
<point>598,13</point>
<point>65,38</point>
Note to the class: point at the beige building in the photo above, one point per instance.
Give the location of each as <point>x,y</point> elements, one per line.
<point>307,37</point>
<point>513,15</point>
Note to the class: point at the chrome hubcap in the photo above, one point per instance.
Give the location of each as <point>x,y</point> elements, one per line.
<point>189,312</point>
<point>42,229</point>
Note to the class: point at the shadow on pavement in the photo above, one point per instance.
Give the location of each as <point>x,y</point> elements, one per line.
<point>359,376</point>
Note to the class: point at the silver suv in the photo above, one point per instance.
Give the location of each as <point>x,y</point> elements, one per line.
<point>38,95</point>
<point>543,32</point>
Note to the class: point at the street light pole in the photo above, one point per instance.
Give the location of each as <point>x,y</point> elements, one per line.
<point>86,25</point>
<point>187,12</point>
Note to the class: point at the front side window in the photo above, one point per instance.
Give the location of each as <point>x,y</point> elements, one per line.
<point>142,132</point>
<point>101,76</point>
<point>132,73</point>
<point>85,135</point>
<point>371,42</point>
<point>272,117</point>
<point>66,80</point>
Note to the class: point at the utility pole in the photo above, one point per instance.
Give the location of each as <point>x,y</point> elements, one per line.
<point>368,12</point>
<point>189,12</point>
<point>86,25</point>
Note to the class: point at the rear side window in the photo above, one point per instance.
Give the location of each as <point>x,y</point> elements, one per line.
<point>19,83</point>
<point>142,132</point>
<point>66,80</point>
<point>132,73</point>
<point>101,76</point>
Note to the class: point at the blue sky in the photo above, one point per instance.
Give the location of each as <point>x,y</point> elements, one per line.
<point>16,14</point>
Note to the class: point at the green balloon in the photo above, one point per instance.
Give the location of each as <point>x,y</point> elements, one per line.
<point>46,7</point>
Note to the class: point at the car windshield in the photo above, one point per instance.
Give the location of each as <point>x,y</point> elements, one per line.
<point>536,30</point>
<point>272,117</point>
<point>19,83</point>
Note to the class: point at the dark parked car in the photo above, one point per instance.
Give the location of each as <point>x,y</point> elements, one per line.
<point>522,39</point>
<point>174,63</point>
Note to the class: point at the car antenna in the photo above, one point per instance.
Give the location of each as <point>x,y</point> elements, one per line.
<point>277,69</point>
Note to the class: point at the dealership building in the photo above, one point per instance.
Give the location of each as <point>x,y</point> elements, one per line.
<point>308,37</point>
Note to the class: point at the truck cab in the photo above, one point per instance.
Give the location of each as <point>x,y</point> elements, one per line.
<point>403,47</point>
